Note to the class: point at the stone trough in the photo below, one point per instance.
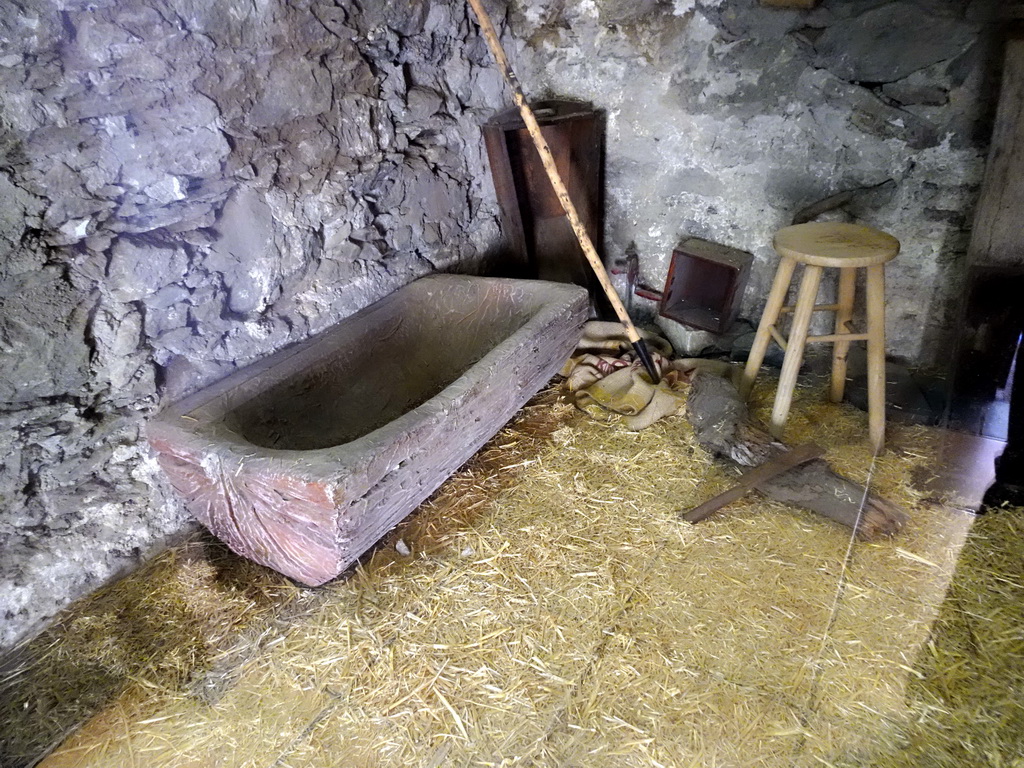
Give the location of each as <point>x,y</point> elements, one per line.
<point>305,459</point>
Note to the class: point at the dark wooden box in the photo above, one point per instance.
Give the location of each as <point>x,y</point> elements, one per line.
<point>705,284</point>
<point>540,242</point>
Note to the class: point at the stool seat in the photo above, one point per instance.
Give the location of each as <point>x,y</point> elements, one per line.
<point>819,246</point>
<point>835,244</point>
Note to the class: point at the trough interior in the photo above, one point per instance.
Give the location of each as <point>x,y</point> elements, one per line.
<point>393,359</point>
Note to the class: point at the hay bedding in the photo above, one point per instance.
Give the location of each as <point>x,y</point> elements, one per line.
<point>554,611</point>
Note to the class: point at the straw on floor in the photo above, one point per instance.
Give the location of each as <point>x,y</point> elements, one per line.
<point>553,610</point>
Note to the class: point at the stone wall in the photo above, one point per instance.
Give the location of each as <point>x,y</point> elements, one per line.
<point>725,118</point>
<point>188,185</point>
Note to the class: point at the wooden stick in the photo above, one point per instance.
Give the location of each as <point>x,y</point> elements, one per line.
<point>773,468</point>
<point>548,160</point>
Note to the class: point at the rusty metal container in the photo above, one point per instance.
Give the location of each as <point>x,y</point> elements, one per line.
<point>705,284</point>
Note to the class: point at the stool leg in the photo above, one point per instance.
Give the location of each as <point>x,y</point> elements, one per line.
<point>876,355</point>
<point>776,298</point>
<point>795,346</point>
<point>847,287</point>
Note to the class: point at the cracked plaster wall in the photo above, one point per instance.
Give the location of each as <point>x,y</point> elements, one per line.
<point>187,186</point>
<point>724,118</point>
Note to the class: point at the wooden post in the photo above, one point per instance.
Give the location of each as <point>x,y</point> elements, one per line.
<point>995,237</point>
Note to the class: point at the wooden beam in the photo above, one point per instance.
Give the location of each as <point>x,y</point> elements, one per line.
<point>996,237</point>
<point>750,480</point>
<point>722,425</point>
<point>790,3</point>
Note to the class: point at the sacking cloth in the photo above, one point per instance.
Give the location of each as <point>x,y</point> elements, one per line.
<point>604,379</point>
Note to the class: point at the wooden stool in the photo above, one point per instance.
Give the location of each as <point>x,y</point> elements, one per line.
<point>847,247</point>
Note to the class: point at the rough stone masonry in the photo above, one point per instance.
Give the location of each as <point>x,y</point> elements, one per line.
<point>725,118</point>
<point>189,185</point>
